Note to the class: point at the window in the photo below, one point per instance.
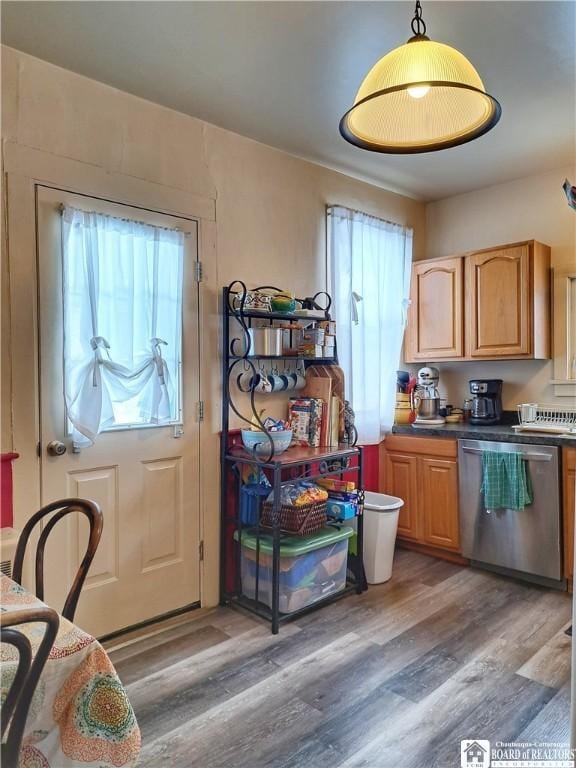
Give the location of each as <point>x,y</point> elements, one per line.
<point>370,262</point>
<point>122,288</point>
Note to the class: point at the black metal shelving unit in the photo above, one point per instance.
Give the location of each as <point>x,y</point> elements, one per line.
<point>295,463</point>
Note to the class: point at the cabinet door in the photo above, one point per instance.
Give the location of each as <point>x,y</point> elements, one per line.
<point>498,302</point>
<point>439,502</point>
<point>569,503</point>
<point>435,323</point>
<point>400,480</point>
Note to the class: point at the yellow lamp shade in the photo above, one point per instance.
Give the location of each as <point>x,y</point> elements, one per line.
<point>420,97</point>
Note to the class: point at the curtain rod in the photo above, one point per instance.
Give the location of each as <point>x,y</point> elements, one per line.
<point>363,213</point>
<point>62,207</point>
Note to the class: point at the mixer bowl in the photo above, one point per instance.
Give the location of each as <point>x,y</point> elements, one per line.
<point>428,408</point>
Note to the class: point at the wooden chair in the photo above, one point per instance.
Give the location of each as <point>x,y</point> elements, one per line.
<point>17,703</point>
<point>60,508</point>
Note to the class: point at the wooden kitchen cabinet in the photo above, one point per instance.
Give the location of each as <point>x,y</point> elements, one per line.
<point>435,328</point>
<point>568,510</point>
<point>439,495</point>
<point>401,472</point>
<point>484,305</point>
<point>424,473</point>
<point>507,300</point>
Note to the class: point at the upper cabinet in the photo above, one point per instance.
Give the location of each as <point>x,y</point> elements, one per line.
<point>498,302</point>
<point>435,325</point>
<point>485,305</point>
<point>508,302</point>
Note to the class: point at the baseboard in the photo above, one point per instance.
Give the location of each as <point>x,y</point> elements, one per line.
<point>441,554</point>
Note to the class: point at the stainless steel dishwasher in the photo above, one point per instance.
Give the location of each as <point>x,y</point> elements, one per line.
<point>526,542</point>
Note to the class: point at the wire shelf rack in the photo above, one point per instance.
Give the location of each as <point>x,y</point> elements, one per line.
<point>558,419</point>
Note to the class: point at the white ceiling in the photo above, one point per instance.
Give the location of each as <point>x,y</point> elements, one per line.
<point>284,72</point>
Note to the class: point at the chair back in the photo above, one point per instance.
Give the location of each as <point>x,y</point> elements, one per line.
<point>60,509</point>
<point>19,697</point>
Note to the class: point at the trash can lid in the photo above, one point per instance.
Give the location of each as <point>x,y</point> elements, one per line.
<point>381,502</point>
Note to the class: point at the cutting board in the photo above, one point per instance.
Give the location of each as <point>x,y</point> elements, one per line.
<point>332,372</point>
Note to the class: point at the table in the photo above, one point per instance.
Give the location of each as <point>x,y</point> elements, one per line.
<point>80,714</point>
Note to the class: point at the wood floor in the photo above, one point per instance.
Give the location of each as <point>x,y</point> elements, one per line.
<point>394,678</point>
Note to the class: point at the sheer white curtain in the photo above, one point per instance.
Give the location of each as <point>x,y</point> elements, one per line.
<point>370,261</point>
<point>122,290</point>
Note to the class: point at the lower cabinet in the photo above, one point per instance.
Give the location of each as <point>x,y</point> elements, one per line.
<point>439,501</point>
<point>568,510</point>
<point>424,473</point>
<point>401,480</point>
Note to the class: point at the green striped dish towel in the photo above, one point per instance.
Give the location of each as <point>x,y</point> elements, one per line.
<point>506,481</point>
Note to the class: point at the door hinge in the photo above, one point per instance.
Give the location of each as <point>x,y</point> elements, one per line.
<point>198,271</point>
<point>201,550</point>
<point>200,410</point>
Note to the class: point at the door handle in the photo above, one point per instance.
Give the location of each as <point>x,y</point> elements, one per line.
<point>56,448</point>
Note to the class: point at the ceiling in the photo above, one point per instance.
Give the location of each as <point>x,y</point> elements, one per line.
<point>284,73</point>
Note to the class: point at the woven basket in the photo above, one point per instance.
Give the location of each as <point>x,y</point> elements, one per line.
<point>299,521</point>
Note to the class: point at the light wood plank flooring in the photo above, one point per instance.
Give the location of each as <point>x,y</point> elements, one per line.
<point>394,678</point>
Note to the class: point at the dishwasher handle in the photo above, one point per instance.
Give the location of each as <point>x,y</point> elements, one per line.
<point>525,456</point>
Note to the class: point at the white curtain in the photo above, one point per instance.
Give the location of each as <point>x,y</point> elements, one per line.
<point>122,289</point>
<point>370,263</point>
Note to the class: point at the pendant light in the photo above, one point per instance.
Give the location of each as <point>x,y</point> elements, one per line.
<point>420,97</point>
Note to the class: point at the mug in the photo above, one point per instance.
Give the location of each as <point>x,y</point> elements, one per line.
<point>300,380</point>
<point>262,383</point>
<point>277,382</point>
<point>244,380</point>
<point>247,382</point>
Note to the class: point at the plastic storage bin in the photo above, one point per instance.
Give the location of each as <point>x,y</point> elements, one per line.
<point>311,567</point>
<point>380,525</point>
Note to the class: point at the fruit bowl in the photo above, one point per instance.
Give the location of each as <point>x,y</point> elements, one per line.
<point>258,442</point>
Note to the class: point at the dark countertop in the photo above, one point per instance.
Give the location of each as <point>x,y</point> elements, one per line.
<point>497,432</point>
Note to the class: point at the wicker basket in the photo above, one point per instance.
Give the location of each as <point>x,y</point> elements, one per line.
<point>298,521</point>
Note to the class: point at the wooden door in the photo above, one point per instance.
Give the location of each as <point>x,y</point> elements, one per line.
<point>144,477</point>
<point>498,306</point>
<point>435,324</point>
<point>438,495</point>
<point>400,480</point>
<point>568,510</point>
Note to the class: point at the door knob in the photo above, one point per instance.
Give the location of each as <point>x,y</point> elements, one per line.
<point>55,448</point>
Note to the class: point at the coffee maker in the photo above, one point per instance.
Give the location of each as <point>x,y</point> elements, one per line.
<point>487,401</point>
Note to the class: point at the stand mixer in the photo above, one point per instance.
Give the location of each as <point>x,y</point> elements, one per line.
<point>427,398</point>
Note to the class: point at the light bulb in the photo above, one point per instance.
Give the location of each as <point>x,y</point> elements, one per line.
<point>418,91</point>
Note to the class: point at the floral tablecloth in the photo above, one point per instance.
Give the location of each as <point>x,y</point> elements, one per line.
<point>80,714</point>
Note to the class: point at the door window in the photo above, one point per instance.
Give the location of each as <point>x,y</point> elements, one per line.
<point>122,291</point>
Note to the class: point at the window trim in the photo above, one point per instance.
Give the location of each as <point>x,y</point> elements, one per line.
<point>564,346</point>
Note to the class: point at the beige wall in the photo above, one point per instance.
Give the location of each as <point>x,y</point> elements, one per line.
<point>530,208</point>
<point>270,206</point>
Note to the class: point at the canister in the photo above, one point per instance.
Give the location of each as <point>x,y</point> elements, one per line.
<point>265,341</point>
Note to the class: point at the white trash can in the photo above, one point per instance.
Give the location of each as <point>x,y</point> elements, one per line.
<point>380,525</point>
